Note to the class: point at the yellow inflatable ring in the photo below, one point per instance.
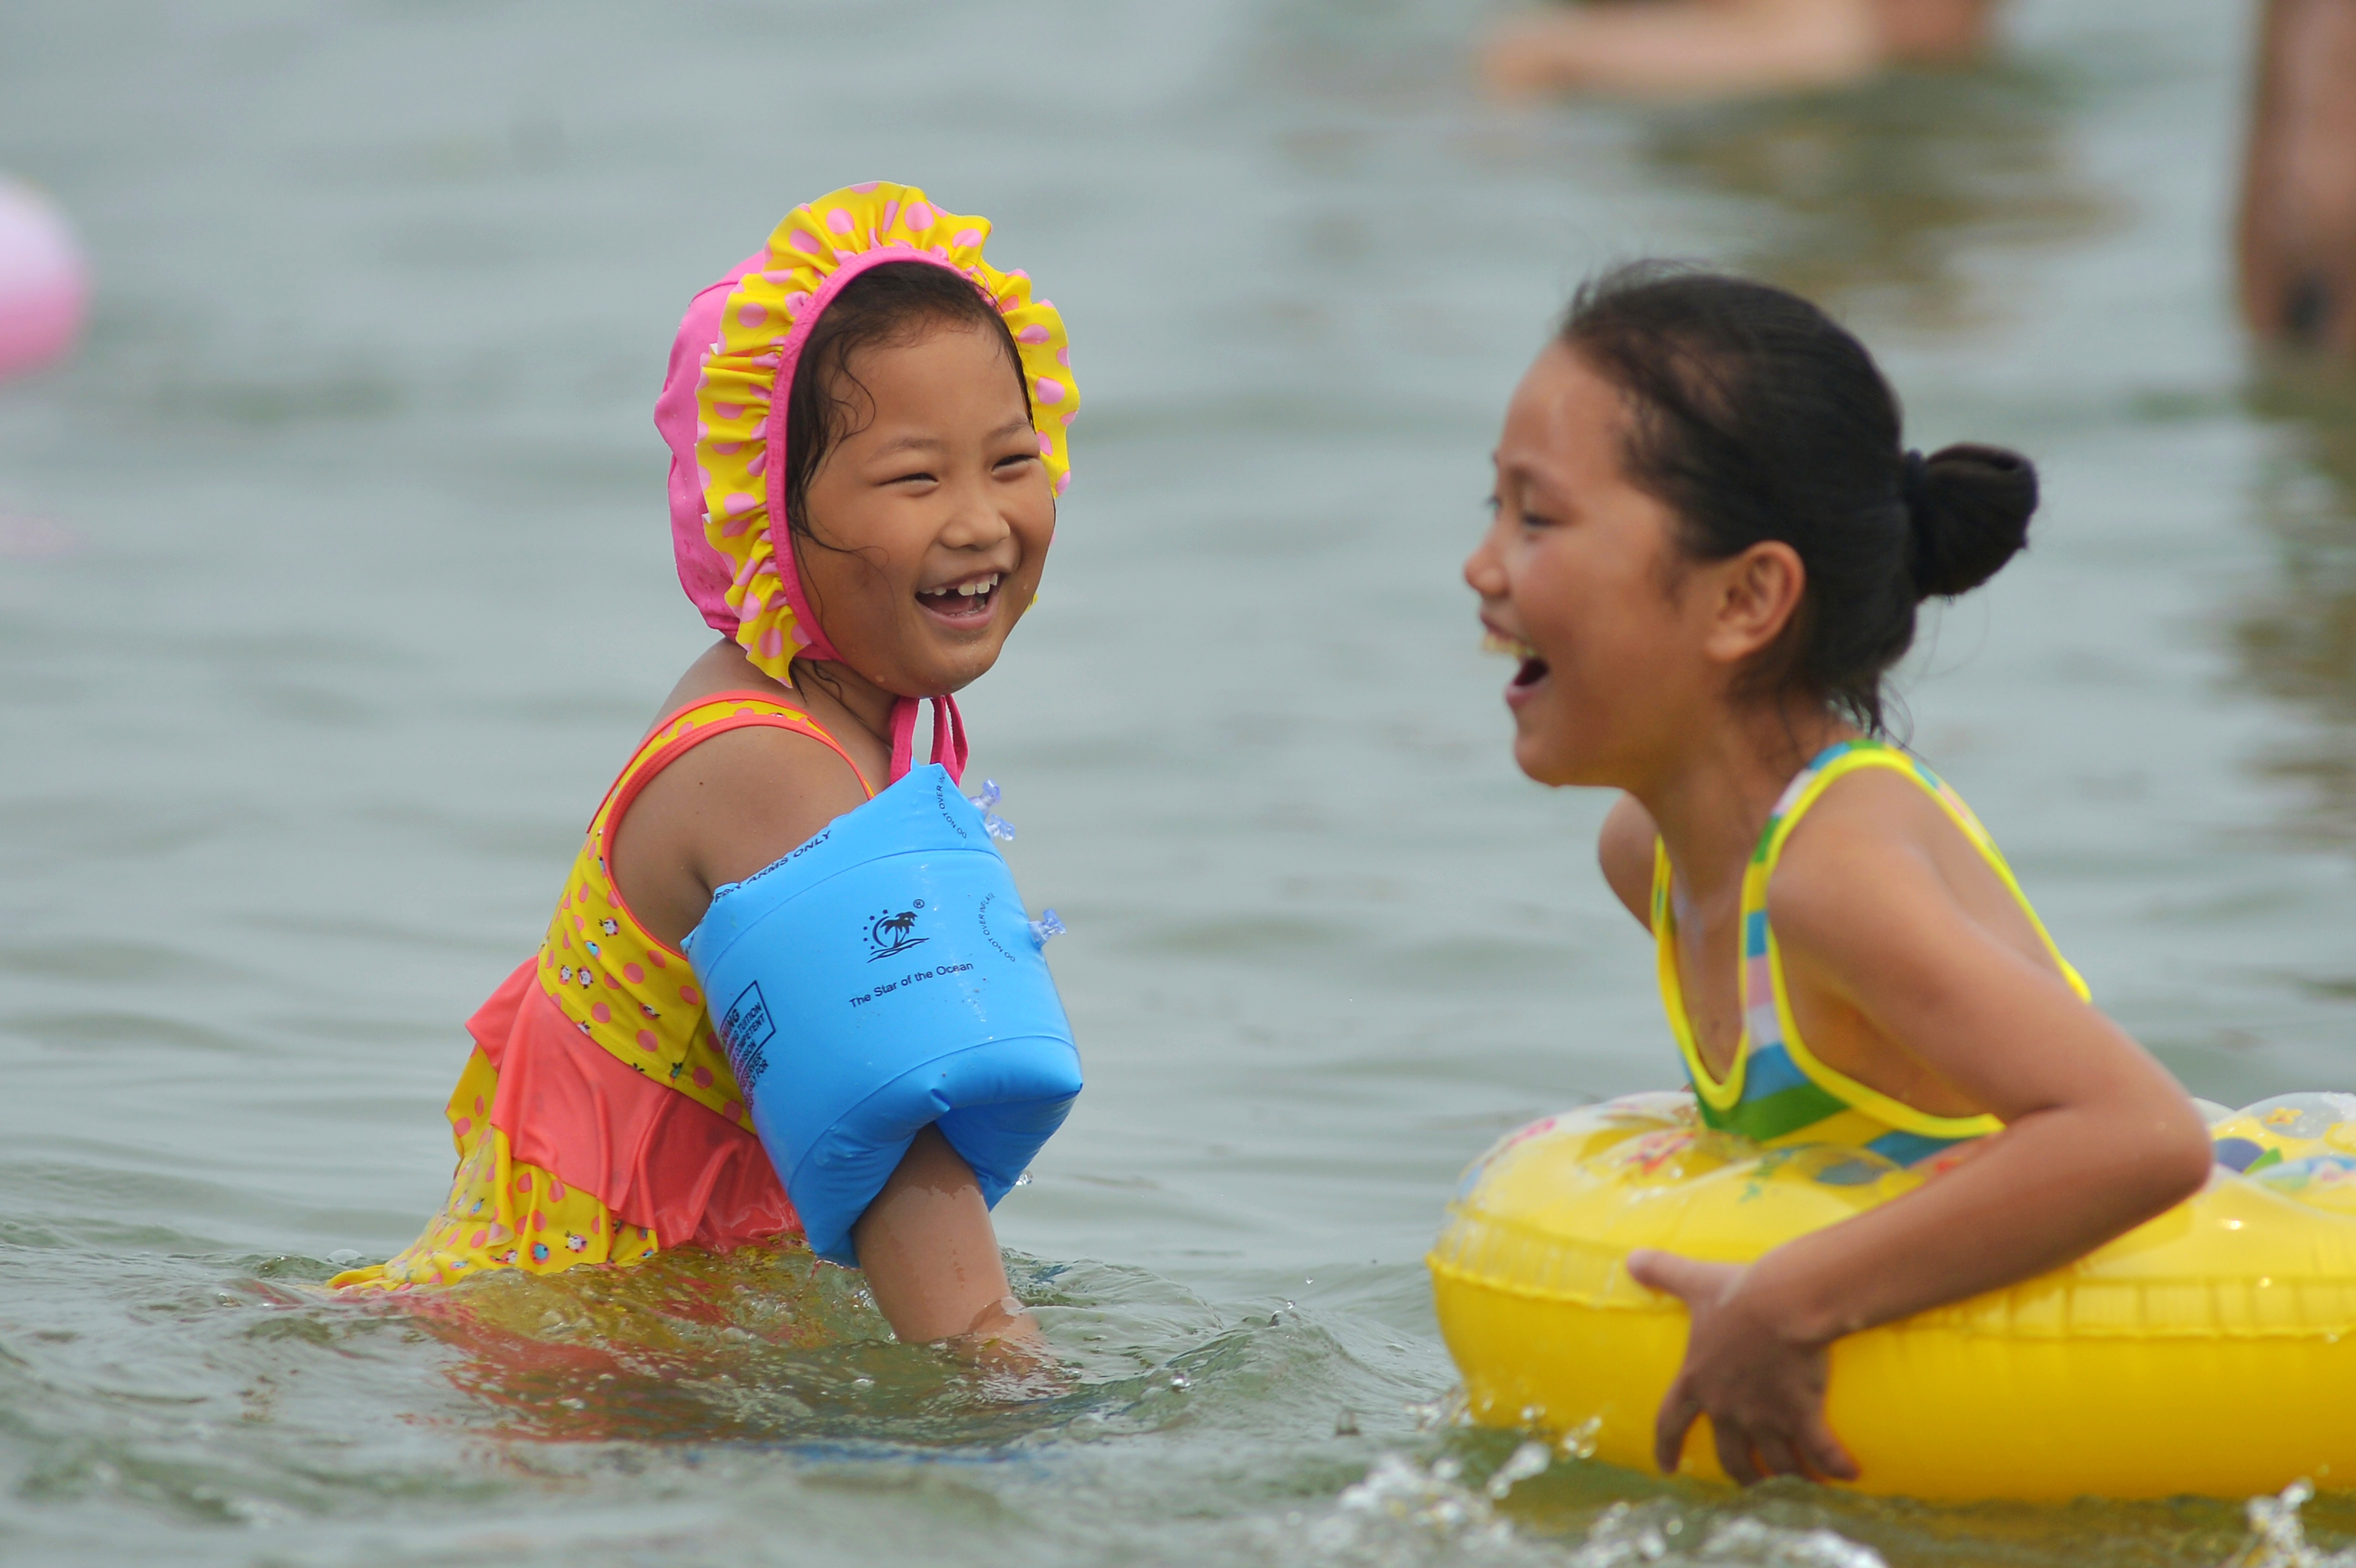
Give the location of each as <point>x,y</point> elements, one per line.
<point>2211,1351</point>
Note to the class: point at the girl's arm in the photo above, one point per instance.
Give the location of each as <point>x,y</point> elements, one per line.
<point>2097,1139</point>
<point>930,1255</point>
<point>719,814</point>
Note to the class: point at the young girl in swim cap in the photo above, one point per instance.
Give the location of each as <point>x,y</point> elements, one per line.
<point>867,423</point>
<point>1708,548</point>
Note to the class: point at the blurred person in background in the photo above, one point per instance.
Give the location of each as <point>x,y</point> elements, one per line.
<point>1714,47</point>
<point>2297,232</point>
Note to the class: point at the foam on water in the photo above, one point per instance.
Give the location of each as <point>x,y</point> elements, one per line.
<point>2277,1540</point>
<point>1406,1514</point>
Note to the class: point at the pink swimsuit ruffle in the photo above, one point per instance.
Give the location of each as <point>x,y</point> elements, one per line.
<point>655,1157</point>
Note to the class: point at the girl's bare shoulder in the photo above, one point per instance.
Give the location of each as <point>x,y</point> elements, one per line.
<point>720,670</point>
<point>1866,865</point>
<point>1624,850</point>
<point>749,795</point>
<point>729,805</point>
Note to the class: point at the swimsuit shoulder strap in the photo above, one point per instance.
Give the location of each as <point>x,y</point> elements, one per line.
<point>703,720</point>
<point>1845,757</point>
<point>1807,787</point>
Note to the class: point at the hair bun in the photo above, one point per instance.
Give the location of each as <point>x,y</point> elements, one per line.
<point>1969,511</point>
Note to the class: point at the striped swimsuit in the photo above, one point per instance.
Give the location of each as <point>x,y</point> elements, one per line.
<point>1775,1091</point>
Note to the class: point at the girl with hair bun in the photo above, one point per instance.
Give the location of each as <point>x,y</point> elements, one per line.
<point>1710,547</point>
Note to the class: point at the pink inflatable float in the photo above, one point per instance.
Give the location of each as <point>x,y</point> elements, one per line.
<point>43,286</point>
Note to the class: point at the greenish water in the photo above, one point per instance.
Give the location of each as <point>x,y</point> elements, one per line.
<point>334,585</point>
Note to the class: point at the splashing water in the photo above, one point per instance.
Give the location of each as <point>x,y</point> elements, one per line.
<point>1654,1533</point>
<point>1405,1515</point>
<point>1530,1459</point>
<point>2278,1540</point>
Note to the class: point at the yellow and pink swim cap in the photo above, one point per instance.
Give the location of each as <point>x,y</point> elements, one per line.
<point>723,412</point>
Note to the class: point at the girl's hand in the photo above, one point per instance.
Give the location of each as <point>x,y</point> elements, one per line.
<point>1762,1389</point>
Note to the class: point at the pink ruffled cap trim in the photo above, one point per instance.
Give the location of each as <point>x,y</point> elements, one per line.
<point>704,571</point>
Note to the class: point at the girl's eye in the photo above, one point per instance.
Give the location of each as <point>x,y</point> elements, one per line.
<point>1520,513</point>
<point>919,477</point>
<point>1017,459</point>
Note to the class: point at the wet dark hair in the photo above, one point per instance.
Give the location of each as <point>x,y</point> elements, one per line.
<point>1755,416</point>
<point>893,304</point>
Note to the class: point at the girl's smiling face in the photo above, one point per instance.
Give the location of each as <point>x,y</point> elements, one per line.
<point>1582,579</point>
<point>931,516</point>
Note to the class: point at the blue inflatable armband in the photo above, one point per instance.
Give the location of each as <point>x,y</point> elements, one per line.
<point>882,979</point>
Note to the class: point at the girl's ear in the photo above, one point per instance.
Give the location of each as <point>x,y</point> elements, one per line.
<point>1753,596</point>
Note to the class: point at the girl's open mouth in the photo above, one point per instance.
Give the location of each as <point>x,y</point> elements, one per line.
<point>1532,670</point>
<point>967,603</point>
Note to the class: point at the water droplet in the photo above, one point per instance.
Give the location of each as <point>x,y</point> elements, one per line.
<point>1530,1459</point>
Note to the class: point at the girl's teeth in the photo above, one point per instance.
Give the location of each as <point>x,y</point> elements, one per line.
<point>1511,647</point>
<point>965,590</point>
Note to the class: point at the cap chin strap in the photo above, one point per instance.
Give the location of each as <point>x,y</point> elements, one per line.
<point>948,725</point>
<point>949,737</point>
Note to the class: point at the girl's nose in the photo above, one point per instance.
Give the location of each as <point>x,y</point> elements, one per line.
<point>976,524</point>
<point>1483,572</point>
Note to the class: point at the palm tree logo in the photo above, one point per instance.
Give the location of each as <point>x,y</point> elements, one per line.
<point>888,933</point>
